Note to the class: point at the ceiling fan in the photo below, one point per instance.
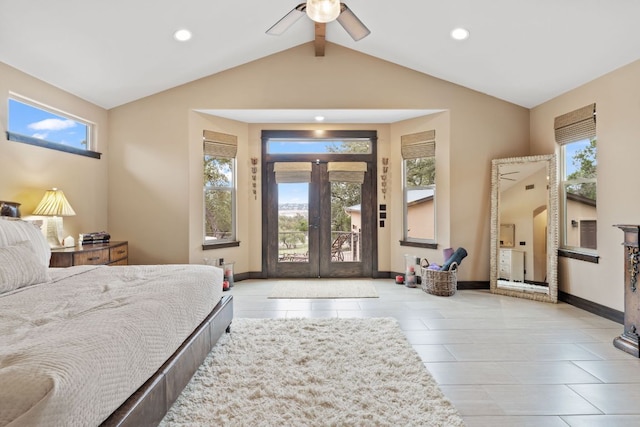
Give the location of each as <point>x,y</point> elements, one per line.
<point>321,12</point>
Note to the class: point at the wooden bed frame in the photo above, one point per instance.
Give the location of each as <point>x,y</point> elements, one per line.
<point>149,404</point>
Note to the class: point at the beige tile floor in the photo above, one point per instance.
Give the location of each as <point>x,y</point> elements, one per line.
<point>502,361</point>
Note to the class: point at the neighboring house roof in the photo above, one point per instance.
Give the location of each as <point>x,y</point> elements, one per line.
<point>581,199</point>
<point>419,196</point>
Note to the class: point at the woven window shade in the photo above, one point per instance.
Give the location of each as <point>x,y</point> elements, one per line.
<point>347,171</point>
<point>576,125</point>
<point>417,145</point>
<point>292,172</point>
<point>218,144</point>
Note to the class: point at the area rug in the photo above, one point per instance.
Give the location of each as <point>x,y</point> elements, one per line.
<point>313,372</point>
<point>323,288</point>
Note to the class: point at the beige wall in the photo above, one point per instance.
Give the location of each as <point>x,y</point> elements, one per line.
<point>26,171</point>
<point>618,130</point>
<point>146,187</point>
<point>154,152</point>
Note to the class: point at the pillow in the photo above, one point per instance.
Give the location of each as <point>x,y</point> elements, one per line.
<point>14,230</point>
<point>19,267</point>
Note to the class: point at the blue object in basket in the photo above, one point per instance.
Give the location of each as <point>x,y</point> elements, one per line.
<point>457,257</point>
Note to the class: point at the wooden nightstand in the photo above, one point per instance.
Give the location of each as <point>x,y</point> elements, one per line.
<point>112,253</point>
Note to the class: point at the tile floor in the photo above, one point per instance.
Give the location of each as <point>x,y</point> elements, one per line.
<point>502,361</point>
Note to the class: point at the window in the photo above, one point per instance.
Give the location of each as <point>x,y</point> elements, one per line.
<point>575,132</point>
<point>46,127</point>
<point>579,197</point>
<point>419,172</point>
<point>319,146</point>
<point>219,188</point>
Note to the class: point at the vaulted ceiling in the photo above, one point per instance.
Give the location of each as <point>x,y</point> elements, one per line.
<point>113,52</point>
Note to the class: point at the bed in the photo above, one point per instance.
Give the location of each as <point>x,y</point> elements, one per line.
<point>98,345</point>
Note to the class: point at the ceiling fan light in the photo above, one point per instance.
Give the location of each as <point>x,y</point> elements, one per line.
<point>323,10</point>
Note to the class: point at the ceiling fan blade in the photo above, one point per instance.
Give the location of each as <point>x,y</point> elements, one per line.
<point>288,20</point>
<point>352,25</point>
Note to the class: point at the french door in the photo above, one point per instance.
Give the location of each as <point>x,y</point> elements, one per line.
<point>323,223</point>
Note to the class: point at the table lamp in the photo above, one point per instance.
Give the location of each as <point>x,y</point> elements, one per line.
<point>54,205</point>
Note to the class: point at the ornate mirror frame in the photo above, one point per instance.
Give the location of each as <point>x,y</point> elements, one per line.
<point>552,229</point>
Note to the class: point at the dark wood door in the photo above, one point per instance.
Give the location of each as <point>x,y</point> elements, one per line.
<point>320,228</point>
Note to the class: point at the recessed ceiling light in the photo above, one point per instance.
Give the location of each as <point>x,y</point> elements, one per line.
<point>182,35</point>
<point>460,34</point>
<point>319,118</point>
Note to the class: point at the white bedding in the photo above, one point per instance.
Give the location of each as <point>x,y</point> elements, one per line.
<point>74,349</point>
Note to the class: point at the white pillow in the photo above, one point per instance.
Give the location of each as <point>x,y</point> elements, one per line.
<point>19,267</point>
<point>14,230</point>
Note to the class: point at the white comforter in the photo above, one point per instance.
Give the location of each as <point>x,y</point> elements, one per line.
<point>74,349</point>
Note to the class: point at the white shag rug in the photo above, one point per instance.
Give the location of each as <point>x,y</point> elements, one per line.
<point>313,372</point>
<point>323,288</point>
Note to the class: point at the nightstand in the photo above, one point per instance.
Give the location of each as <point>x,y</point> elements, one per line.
<point>112,253</point>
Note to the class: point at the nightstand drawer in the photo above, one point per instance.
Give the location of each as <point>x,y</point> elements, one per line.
<point>108,253</point>
<point>119,253</point>
<point>91,257</point>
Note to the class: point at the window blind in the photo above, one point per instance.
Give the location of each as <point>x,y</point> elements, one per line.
<point>292,172</point>
<point>347,171</point>
<point>218,144</point>
<point>576,125</point>
<point>417,145</point>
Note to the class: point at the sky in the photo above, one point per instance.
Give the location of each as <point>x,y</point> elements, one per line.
<point>37,123</point>
<point>293,193</point>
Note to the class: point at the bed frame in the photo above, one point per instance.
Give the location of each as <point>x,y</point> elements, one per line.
<point>149,404</point>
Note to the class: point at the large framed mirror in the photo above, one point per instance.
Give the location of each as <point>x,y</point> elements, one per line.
<point>524,200</point>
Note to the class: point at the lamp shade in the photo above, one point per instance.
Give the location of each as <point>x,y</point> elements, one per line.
<point>54,204</point>
<point>323,10</point>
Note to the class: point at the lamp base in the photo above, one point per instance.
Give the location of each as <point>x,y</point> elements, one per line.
<point>53,232</point>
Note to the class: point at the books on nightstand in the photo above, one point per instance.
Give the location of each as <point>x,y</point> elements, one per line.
<point>96,237</point>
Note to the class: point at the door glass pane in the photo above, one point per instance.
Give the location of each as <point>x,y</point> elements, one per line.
<point>319,146</point>
<point>346,223</point>
<point>293,222</point>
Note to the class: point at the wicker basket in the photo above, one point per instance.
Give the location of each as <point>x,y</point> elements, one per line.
<point>441,283</point>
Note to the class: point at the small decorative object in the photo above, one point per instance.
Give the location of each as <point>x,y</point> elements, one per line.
<point>11,209</point>
<point>383,176</point>
<point>399,279</point>
<point>254,172</point>
<point>228,273</point>
<point>411,280</point>
<point>69,242</point>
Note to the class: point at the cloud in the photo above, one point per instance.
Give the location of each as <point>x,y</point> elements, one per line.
<point>40,135</point>
<point>52,125</point>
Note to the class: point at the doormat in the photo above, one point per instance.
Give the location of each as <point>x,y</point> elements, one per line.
<point>323,288</point>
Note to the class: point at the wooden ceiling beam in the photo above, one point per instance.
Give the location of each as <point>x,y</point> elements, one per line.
<point>321,29</point>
